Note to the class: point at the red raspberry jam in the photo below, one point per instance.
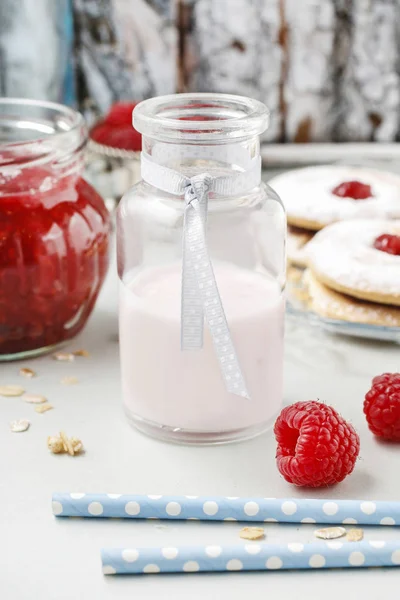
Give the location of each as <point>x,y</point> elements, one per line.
<point>388,243</point>
<point>353,189</point>
<point>53,257</point>
<point>116,130</point>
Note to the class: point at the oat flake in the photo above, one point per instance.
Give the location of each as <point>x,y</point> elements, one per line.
<point>25,372</point>
<point>64,356</point>
<point>67,444</point>
<point>19,426</point>
<point>252,533</point>
<point>55,444</point>
<point>355,535</point>
<point>11,390</point>
<point>76,445</point>
<point>34,398</point>
<point>42,408</point>
<point>83,353</point>
<point>330,533</point>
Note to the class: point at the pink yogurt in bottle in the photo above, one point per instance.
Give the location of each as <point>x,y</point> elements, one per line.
<point>184,391</point>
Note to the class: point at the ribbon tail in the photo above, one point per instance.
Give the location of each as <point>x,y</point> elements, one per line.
<point>192,315</point>
<point>207,292</point>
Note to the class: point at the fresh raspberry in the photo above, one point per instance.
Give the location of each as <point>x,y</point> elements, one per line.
<point>353,189</point>
<point>316,446</point>
<point>388,243</point>
<point>120,113</point>
<point>123,138</point>
<point>116,129</point>
<point>382,406</point>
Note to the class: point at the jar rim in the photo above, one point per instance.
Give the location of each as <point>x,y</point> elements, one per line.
<point>201,117</point>
<point>38,131</point>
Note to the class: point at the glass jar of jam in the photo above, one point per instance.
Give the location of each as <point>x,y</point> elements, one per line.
<point>54,228</point>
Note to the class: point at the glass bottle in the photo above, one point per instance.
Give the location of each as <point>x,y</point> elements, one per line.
<point>54,228</point>
<point>181,395</point>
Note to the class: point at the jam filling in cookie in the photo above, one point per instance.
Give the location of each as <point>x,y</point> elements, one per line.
<point>388,243</point>
<point>353,189</point>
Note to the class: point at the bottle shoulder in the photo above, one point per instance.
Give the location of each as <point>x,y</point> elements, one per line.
<point>142,192</point>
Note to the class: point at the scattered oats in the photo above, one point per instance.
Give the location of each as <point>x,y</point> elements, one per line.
<point>252,533</point>
<point>25,372</point>
<point>18,426</point>
<point>34,398</point>
<point>69,380</point>
<point>64,356</point>
<point>84,353</point>
<point>355,535</point>
<point>330,533</point>
<point>42,408</point>
<point>68,447</point>
<point>61,444</point>
<point>55,444</point>
<point>11,390</point>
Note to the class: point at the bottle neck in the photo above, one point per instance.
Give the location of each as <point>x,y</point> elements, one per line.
<point>191,159</point>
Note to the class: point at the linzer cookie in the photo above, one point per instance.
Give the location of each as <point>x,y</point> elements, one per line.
<point>333,305</point>
<point>359,258</point>
<point>297,240</point>
<point>318,196</point>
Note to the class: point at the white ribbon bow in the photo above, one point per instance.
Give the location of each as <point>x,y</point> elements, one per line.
<point>200,295</point>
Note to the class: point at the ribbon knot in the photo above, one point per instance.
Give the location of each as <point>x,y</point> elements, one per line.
<point>197,187</point>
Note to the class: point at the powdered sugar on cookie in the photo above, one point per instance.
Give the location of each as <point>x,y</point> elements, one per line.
<point>310,203</point>
<point>344,258</point>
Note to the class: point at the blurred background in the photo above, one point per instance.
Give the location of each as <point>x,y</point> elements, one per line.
<point>327,69</point>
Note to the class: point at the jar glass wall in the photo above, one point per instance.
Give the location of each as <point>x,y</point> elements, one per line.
<point>180,395</point>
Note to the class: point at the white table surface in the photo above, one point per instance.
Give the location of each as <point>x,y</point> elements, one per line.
<point>58,559</point>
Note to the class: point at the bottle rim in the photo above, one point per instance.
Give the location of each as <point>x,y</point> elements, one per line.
<point>201,118</point>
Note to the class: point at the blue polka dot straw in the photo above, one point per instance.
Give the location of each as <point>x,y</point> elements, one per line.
<point>250,557</point>
<point>210,508</point>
